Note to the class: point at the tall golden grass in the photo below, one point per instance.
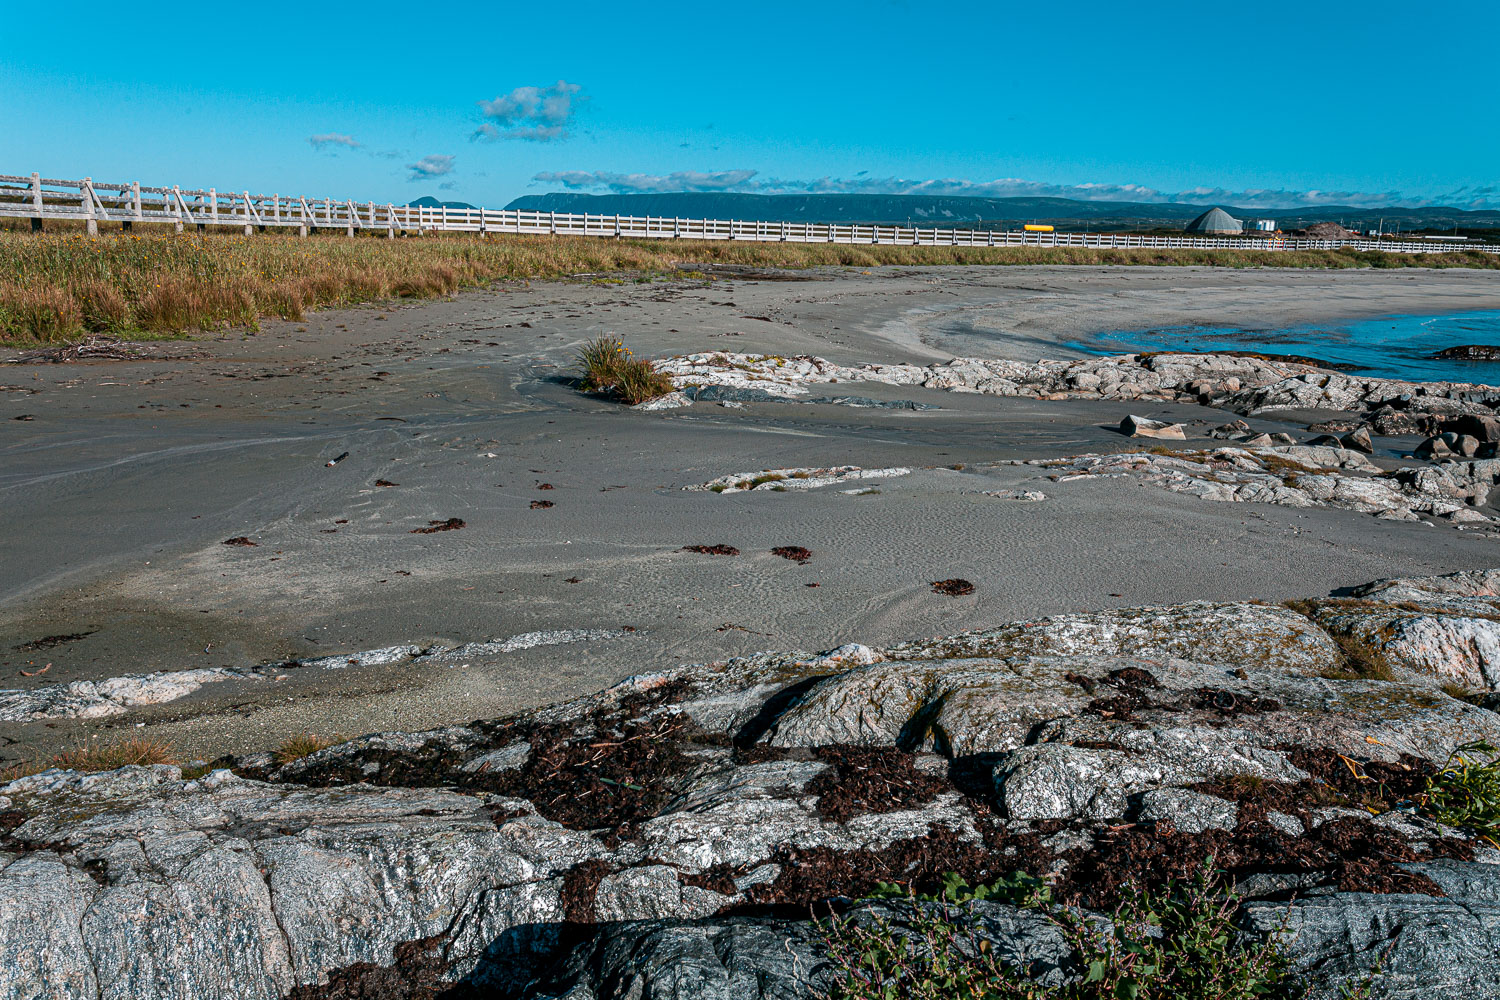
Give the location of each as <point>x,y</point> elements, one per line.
<point>58,287</point>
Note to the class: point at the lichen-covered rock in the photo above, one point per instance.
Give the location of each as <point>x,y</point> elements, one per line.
<point>1231,634</point>
<point>1422,946</point>
<point>622,840</point>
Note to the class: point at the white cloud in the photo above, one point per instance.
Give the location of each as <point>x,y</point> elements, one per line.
<point>329,140</point>
<point>534,114</point>
<point>429,167</point>
<point>687,180</point>
<point>749,181</point>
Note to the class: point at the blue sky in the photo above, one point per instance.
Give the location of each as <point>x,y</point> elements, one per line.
<point>1273,104</point>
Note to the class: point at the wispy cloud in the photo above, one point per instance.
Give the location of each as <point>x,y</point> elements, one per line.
<point>686,180</point>
<point>333,141</point>
<point>750,181</point>
<point>534,114</point>
<point>429,167</point>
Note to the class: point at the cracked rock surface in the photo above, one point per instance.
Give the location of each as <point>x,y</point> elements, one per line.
<point>667,836</point>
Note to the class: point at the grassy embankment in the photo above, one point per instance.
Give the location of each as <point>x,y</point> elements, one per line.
<point>59,287</point>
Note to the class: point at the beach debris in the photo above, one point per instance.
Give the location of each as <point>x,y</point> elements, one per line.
<point>385,482</point>
<point>956,587</point>
<point>25,416</point>
<point>241,541</point>
<point>1145,427</point>
<point>783,480</point>
<point>36,673</point>
<point>335,461</point>
<point>712,550</point>
<point>795,553</point>
<point>544,486</point>
<point>51,641</point>
<point>542,504</point>
<point>1020,496</point>
<point>452,524</point>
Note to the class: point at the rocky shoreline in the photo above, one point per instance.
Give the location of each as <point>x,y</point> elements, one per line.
<point>671,836</point>
<point>1241,383</point>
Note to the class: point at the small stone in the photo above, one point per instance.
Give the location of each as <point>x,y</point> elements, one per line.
<point>1359,440</point>
<point>1434,448</point>
<point>1135,426</point>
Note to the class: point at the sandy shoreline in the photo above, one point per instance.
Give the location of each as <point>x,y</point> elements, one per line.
<point>122,488</point>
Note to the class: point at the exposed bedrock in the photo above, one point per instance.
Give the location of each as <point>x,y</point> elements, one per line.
<point>668,836</point>
<point>1244,383</point>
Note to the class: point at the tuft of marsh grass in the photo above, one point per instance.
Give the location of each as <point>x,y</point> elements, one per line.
<point>608,367</point>
<point>58,286</point>
<point>305,745</point>
<point>94,755</point>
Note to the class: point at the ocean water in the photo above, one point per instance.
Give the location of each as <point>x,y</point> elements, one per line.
<point>1389,347</point>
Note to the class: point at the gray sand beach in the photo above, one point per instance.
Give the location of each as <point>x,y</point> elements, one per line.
<point>127,477</point>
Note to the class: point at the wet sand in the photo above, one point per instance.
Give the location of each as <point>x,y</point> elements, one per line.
<point>120,491</point>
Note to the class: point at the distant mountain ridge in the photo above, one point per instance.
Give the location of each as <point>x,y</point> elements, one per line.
<point>929,210</point>
<point>428,201</point>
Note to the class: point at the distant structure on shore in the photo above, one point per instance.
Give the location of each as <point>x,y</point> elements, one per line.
<point>1328,231</point>
<point>1215,222</point>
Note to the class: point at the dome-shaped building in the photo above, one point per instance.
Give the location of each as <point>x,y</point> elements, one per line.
<point>1215,222</point>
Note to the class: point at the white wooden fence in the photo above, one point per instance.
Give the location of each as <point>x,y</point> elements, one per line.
<point>42,198</point>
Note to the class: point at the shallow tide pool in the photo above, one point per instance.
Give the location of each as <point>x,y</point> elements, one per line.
<point>1388,347</point>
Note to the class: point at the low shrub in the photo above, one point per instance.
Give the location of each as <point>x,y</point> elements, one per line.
<point>1178,942</point>
<point>1466,791</point>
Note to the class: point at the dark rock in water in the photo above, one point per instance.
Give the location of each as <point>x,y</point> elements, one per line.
<point>1326,441</point>
<point>1469,352</point>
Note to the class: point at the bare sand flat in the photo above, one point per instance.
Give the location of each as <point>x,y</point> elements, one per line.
<point>121,489</point>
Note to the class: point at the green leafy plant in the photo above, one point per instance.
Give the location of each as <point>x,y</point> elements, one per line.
<point>1017,888</point>
<point>1177,942</point>
<point>1466,791</point>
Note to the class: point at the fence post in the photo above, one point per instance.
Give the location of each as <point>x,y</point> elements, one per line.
<point>36,202</point>
<point>87,188</point>
<point>390,221</point>
<point>245,195</point>
<point>617,225</point>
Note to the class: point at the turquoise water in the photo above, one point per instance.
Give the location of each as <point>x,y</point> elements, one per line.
<point>1388,347</point>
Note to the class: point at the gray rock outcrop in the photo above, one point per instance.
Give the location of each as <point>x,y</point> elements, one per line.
<point>668,836</point>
